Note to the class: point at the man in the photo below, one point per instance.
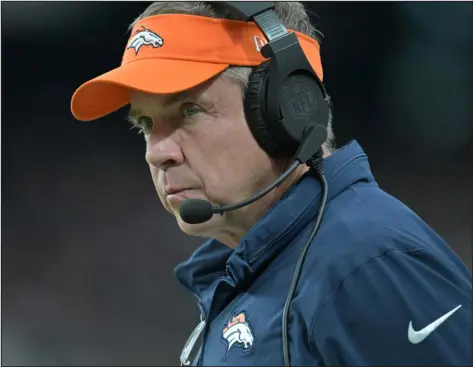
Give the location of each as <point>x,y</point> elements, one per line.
<point>378,286</point>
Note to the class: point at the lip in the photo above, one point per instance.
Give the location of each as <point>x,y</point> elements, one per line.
<point>181,194</point>
<point>172,191</point>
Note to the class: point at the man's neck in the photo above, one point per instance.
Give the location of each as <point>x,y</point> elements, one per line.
<point>296,175</point>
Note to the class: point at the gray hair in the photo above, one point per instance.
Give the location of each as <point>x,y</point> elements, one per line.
<point>292,14</point>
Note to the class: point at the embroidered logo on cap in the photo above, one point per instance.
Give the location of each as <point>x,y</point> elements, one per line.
<point>144,37</point>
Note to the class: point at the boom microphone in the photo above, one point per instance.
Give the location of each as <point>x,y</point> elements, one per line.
<point>195,211</point>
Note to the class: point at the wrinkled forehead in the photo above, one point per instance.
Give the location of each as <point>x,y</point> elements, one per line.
<point>157,103</point>
<point>138,98</point>
<point>153,104</point>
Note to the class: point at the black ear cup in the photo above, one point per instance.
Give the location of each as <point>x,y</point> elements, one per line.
<point>270,135</point>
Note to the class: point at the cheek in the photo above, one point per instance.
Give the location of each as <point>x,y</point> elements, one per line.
<point>231,158</point>
<point>240,147</point>
<point>154,173</point>
<point>157,181</point>
<point>233,138</point>
<point>155,177</point>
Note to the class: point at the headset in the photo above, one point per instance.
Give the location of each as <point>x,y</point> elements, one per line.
<point>278,118</point>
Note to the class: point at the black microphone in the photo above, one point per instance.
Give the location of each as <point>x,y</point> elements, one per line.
<point>195,211</point>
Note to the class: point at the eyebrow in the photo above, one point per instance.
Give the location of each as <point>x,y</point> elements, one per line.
<point>174,98</point>
<point>133,115</point>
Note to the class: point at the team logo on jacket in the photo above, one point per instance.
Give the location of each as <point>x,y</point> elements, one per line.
<point>144,37</point>
<point>238,332</point>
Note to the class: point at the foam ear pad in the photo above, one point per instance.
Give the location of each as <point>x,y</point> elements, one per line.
<point>268,134</point>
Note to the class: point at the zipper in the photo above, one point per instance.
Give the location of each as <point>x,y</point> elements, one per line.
<point>214,317</point>
<point>201,328</point>
<point>200,353</point>
<point>190,343</point>
<point>194,336</point>
<point>203,316</point>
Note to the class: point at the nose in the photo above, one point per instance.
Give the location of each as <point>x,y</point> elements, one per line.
<point>163,152</point>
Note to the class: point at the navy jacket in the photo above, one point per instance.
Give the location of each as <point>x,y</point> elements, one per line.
<point>374,287</point>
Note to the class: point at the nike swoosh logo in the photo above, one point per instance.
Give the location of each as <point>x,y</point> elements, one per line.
<point>415,337</point>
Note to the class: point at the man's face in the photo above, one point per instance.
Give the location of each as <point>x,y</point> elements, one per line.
<point>198,145</point>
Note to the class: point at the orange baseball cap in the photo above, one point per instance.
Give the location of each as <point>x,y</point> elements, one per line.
<point>171,53</point>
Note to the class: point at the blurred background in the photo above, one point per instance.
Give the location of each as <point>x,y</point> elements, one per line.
<point>87,251</point>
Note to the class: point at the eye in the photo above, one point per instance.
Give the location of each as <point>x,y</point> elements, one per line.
<point>190,109</point>
<point>143,123</point>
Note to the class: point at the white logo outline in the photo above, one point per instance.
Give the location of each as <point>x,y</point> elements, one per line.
<point>259,42</point>
<point>144,37</point>
<point>416,337</point>
<point>238,332</point>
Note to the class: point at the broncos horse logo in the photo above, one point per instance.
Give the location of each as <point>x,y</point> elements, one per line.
<point>144,37</point>
<point>238,332</point>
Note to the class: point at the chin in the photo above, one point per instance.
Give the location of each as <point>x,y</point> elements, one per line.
<point>200,230</point>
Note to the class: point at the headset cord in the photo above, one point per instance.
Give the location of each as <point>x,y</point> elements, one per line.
<point>317,168</point>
